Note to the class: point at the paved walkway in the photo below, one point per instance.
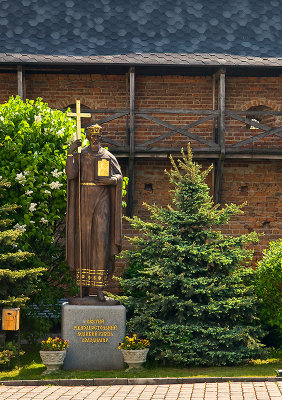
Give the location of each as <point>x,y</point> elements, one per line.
<point>196,391</point>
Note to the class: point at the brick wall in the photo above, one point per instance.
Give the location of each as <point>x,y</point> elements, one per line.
<point>8,86</point>
<point>257,182</point>
<point>95,91</point>
<point>260,184</point>
<point>172,92</point>
<point>112,91</point>
<point>246,92</point>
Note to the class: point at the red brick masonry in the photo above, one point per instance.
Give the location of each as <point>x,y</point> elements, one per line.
<point>259,182</point>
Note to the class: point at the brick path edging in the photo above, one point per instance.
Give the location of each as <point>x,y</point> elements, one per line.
<point>135,381</point>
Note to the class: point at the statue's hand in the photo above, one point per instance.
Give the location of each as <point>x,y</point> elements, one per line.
<point>75,146</point>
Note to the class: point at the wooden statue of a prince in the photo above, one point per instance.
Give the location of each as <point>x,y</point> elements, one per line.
<point>94,210</point>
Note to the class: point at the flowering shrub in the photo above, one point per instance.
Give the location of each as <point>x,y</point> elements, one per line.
<point>33,147</point>
<point>34,140</point>
<point>56,344</point>
<point>134,343</point>
<point>33,143</point>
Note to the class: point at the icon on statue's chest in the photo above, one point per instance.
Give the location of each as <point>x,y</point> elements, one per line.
<point>102,168</point>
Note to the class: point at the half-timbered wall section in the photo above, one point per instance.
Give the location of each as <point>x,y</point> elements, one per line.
<point>235,122</point>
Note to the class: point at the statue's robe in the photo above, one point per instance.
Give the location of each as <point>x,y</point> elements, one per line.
<point>100,219</point>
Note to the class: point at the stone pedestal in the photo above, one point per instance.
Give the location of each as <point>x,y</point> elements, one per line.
<point>94,334</point>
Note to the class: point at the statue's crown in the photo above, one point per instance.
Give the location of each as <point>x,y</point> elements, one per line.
<point>95,130</point>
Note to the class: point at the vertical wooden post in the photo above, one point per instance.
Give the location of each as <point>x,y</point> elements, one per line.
<point>130,196</point>
<point>221,103</point>
<point>214,132</point>
<point>131,108</point>
<point>214,126</point>
<point>221,136</point>
<point>20,82</point>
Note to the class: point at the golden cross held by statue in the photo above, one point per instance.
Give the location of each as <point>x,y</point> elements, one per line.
<point>78,116</point>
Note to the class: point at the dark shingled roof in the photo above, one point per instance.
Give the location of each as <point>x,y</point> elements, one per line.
<point>179,32</point>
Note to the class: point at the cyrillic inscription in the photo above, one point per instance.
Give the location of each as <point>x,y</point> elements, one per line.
<point>95,331</point>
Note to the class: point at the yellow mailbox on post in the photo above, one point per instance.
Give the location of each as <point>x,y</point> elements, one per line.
<point>10,319</point>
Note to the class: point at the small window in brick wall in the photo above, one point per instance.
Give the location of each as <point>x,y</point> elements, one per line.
<point>262,119</point>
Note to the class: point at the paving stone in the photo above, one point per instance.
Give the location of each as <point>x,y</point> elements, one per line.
<point>198,391</point>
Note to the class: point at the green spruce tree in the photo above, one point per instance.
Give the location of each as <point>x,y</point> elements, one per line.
<point>17,281</point>
<point>187,287</point>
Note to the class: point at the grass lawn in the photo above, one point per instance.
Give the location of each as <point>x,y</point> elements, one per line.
<point>32,368</point>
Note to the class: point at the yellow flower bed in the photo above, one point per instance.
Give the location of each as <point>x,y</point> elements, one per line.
<point>132,342</point>
<point>55,344</point>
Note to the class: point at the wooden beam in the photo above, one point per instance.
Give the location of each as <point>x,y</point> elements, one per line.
<point>221,103</point>
<point>173,131</point>
<point>113,142</point>
<point>251,151</point>
<point>203,150</point>
<point>251,156</point>
<point>214,127</point>
<point>20,82</point>
<point>109,118</point>
<point>248,121</point>
<point>221,137</point>
<point>150,111</point>
<point>175,111</point>
<point>132,109</point>
<point>179,130</point>
<point>104,111</point>
<point>168,150</point>
<point>200,153</point>
<point>262,135</point>
<point>130,192</point>
<point>218,179</point>
<point>213,180</point>
<point>268,130</point>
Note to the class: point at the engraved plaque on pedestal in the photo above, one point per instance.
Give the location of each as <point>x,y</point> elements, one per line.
<point>94,334</point>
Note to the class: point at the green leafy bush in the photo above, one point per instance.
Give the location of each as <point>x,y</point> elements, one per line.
<point>34,140</point>
<point>33,144</point>
<point>18,276</point>
<point>187,287</point>
<point>269,285</point>
<point>8,355</point>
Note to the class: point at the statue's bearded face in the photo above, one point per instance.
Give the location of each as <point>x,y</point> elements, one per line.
<point>95,142</point>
